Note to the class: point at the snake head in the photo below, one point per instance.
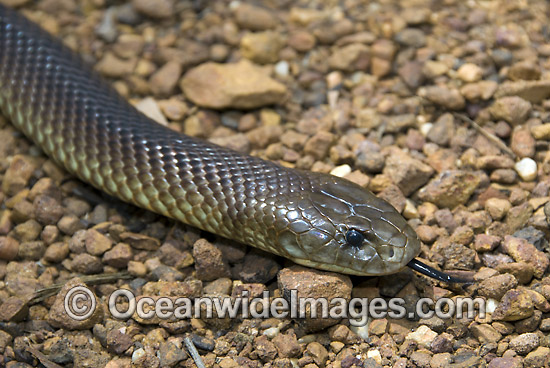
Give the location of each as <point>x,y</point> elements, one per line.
<point>340,226</point>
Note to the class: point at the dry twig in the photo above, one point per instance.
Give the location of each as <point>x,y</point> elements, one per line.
<point>493,138</point>
<point>192,350</point>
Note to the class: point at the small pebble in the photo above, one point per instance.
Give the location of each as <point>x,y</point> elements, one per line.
<point>361,331</point>
<point>282,69</point>
<point>497,208</point>
<point>9,248</point>
<point>425,128</point>
<point>469,72</point>
<point>341,170</point>
<point>155,9</point>
<point>513,109</point>
<point>271,332</point>
<point>423,336</point>
<point>541,132</point>
<point>524,343</point>
<point>527,169</point>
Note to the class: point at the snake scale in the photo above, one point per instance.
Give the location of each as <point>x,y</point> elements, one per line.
<point>80,122</point>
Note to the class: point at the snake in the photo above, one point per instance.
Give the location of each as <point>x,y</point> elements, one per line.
<point>317,220</point>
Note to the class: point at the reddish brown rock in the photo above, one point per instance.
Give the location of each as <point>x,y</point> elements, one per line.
<point>319,145</point>
<point>442,343</point>
<point>411,73</point>
<point>456,256</point>
<point>524,343</point>
<point>262,47</point>
<point>538,358</point>
<point>264,348</point>
<point>155,9</point>
<point>532,91</point>
<point>254,18</point>
<point>443,130</point>
<point>164,80</point>
<point>540,302</point>
<point>287,345</point>
<point>9,247</point>
<point>118,256</point>
<point>14,309</point>
<point>209,261</point>
<point>140,241</point>
<point>491,162</point>
<point>523,143</point>
<point>241,86</point>
<point>97,243</point>
<point>86,264</point>
<point>350,58</point>
<point>506,362</point>
<point>523,251</point>
<point>118,342</point>
<point>518,216</point>
<point>523,272</point>
<point>56,252</point>
<point>18,174</point>
<point>524,70</point>
<point>514,306</point>
<point>515,110</point>
<point>58,316</point>
<point>317,352</point>
<point>495,287</point>
<point>406,172</point>
<point>112,66</point>
<point>309,283</point>
<point>485,333</point>
<point>450,188</point>
<point>486,243</point>
<point>444,96</point>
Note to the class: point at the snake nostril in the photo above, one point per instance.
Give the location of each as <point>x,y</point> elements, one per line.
<point>391,252</point>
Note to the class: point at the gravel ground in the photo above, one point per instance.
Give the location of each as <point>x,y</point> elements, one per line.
<point>437,107</point>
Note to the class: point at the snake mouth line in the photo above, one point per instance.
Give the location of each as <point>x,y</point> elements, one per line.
<point>426,270</point>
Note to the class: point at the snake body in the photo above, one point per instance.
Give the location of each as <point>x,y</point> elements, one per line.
<point>79,120</point>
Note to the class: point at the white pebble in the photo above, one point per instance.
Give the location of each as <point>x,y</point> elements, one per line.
<point>410,211</point>
<point>421,119</point>
<point>138,353</point>
<point>425,128</point>
<point>282,68</point>
<point>149,107</point>
<point>375,354</point>
<point>234,5</point>
<point>308,338</point>
<point>362,331</point>
<point>469,72</point>
<point>341,170</point>
<point>527,169</point>
<point>272,332</point>
<point>423,336</point>
<point>334,79</point>
<point>491,305</point>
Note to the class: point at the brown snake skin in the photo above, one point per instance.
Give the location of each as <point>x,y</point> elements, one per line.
<point>79,121</point>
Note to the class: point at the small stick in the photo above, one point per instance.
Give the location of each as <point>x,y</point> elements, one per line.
<point>103,278</point>
<point>493,138</point>
<point>192,350</point>
<point>42,358</point>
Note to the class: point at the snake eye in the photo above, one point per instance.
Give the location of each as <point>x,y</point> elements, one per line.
<point>354,238</point>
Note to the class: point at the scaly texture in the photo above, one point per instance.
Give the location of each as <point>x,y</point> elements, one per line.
<point>86,127</point>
